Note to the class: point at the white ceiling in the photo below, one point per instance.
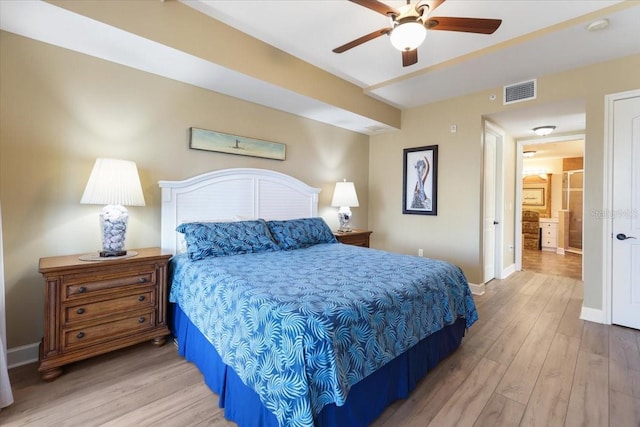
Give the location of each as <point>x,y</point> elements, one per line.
<point>535,38</point>
<point>556,150</point>
<point>567,116</point>
<point>310,29</point>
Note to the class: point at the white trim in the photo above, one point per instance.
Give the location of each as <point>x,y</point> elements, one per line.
<point>607,196</point>
<point>518,202</point>
<point>22,355</point>
<point>560,251</point>
<point>476,289</point>
<point>499,197</point>
<point>508,271</point>
<point>592,315</point>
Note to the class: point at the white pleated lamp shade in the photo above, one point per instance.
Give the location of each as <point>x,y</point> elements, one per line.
<point>113,182</point>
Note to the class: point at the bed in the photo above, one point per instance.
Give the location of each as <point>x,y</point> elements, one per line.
<point>288,326</point>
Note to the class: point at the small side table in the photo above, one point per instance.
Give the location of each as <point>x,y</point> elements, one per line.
<point>355,237</point>
<point>93,307</point>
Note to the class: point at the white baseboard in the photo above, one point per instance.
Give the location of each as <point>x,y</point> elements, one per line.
<point>476,289</point>
<point>22,355</point>
<point>592,315</point>
<point>560,251</point>
<point>508,271</point>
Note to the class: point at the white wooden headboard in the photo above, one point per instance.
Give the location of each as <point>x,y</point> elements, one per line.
<point>232,194</point>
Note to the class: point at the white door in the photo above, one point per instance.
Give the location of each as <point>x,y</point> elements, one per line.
<point>489,206</point>
<point>626,213</point>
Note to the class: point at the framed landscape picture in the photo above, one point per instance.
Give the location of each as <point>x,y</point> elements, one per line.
<point>208,140</point>
<point>420,180</point>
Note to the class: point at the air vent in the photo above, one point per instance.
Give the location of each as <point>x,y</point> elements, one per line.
<point>523,91</point>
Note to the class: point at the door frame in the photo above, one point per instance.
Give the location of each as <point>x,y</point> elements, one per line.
<point>490,127</point>
<point>518,184</point>
<point>607,230</point>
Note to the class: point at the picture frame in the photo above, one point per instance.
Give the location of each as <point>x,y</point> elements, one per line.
<point>420,180</point>
<point>533,197</point>
<point>208,140</point>
<point>536,193</point>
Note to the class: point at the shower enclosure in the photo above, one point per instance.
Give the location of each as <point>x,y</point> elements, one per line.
<point>572,191</point>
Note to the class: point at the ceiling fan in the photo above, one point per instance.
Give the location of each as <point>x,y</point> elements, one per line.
<point>410,23</point>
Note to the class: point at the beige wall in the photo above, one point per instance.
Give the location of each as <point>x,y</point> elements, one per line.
<point>59,110</point>
<point>179,26</point>
<point>455,234</point>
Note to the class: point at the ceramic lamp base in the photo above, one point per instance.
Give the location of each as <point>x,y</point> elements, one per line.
<point>344,216</point>
<point>113,220</point>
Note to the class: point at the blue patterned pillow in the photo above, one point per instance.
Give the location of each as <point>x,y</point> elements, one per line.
<point>300,233</point>
<point>212,239</point>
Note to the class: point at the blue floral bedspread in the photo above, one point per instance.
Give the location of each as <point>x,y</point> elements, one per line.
<point>301,327</point>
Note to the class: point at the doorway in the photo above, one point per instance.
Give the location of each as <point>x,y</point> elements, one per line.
<point>551,177</point>
<point>568,118</point>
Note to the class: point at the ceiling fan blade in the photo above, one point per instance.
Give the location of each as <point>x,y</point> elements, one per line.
<point>409,57</point>
<point>465,25</point>
<point>432,4</point>
<point>377,6</point>
<point>435,4</point>
<point>363,39</point>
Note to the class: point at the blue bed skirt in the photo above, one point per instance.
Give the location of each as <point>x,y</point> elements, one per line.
<point>365,402</point>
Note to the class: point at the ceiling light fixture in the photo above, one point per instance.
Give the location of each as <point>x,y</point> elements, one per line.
<point>544,130</point>
<point>528,154</point>
<point>597,25</point>
<point>408,35</point>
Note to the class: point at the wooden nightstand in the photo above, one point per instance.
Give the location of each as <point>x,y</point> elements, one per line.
<point>93,307</point>
<point>355,237</point>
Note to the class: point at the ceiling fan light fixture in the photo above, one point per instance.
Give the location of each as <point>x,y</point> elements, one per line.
<point>408,35</point>
<point>544,130</point>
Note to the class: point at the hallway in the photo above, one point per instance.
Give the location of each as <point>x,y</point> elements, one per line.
<point>567,265</point>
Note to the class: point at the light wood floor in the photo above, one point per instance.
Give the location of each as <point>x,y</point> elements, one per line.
<point>569,264</point>
<point>528,361</point>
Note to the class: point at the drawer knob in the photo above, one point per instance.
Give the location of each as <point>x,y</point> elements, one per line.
<point>80,311</point>
<point>141,298</point>
<point>82,290</point>
<point>141,320</point>
<point>80,335</point>
<point>142,279</point>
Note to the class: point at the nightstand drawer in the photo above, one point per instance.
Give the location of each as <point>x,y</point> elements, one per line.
<point>80,286</point>
<point>354,238</point>
<point>110,330</point>
<point>141,299</point>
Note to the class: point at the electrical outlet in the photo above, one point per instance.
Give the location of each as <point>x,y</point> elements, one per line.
<point>420,252</point>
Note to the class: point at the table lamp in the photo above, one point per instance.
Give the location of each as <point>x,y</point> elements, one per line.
<point>114,183</point>
<point>345,197</point>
